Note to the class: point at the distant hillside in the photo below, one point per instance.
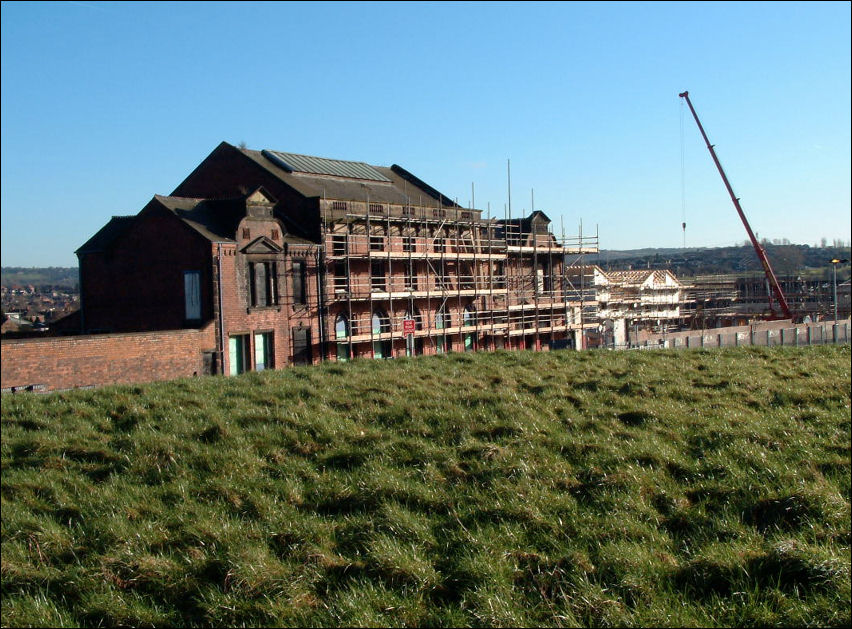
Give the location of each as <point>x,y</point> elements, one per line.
<point>785,259</point>
<point>39,276</point>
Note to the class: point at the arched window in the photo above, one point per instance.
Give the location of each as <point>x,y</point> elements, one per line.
<point>341,327</point>
<point>441,320</point>
<point>381,322</point>
<point>470,314</point>
<point>341,331</point>
<point>469,320</point>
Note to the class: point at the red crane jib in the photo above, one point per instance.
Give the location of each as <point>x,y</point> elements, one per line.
<point>775,287</point>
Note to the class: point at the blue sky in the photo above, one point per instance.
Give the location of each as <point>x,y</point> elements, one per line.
<point>106,104</point>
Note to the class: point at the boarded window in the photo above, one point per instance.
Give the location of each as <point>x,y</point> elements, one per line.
<point>263,283</point>
<point>192,295</point>
<point>302,346</point>
<point>209,364</point>
<point>299,282</point>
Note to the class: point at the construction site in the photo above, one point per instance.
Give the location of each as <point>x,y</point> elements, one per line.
<point>410,280</point>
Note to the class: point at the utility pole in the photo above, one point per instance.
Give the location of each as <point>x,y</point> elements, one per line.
<point>834,264</point>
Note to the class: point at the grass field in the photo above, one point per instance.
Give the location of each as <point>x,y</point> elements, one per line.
<point>688,488</point>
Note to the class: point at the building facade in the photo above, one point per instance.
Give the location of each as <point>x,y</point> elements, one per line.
<point>292,259</point>
<point>629,302</point>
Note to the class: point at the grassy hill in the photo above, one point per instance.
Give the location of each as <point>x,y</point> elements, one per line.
<point>689,488</point>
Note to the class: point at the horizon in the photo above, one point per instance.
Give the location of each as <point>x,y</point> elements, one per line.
<point>574,106</point>
<point>747,245</point>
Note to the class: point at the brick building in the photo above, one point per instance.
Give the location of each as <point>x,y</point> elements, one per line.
<point>292,259</point>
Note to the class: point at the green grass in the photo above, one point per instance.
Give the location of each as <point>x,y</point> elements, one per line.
<point>689,488</point>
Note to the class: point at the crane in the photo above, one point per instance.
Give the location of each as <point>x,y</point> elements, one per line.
<point>775,287</point>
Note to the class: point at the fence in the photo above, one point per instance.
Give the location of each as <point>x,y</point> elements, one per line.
<point>826,333</point>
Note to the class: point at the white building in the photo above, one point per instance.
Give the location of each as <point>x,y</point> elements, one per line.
<point>629,301</point>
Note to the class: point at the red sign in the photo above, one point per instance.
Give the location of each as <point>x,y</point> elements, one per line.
<point>408,326</point>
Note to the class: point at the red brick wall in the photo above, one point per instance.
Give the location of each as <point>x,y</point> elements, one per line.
<point>241,319</point>
<point>139,284</point>
<point>101,359</point>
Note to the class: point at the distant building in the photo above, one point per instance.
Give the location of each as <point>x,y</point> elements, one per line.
<point>629,301</point>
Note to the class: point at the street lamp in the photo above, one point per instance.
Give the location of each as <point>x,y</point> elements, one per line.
<point>834,264</point>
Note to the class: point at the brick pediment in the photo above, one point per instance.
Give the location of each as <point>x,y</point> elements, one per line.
<point>261,244</point>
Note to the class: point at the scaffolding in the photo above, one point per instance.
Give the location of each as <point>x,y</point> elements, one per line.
<point>465,281</point>
<point>745,296</point>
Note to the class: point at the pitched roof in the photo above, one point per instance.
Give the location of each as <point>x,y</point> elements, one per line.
<point>641,276</point>
<point>347,181</point>
<point>106,235</point>
<point>216,221</point>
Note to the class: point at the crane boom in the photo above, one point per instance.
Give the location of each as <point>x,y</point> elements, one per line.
<point>774,286</point>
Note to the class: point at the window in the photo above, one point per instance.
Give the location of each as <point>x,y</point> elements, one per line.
<point>470,315</point>
<point>377,208</point>
<point>499,276</point>
<point>467,279</point>
<point>408,244</point>
<point>341,331</point>
<point>299,282</point>
<point>341,327</point>
<point>469,320</point>
<point>238,354</point>
<point>543,278</point>
<point>338,205</point>
<point>192,295</point>
<point>442,321</point>
<point>377,243</point>
<point>263,284</point>
<point>263,351</point>
<point>378,278</point>
<point>381,324</point>
<point>302,346</point>
<point>338,244</point>
<point>410,276</point>
<point>341,278</point>
<point>440,244</point>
